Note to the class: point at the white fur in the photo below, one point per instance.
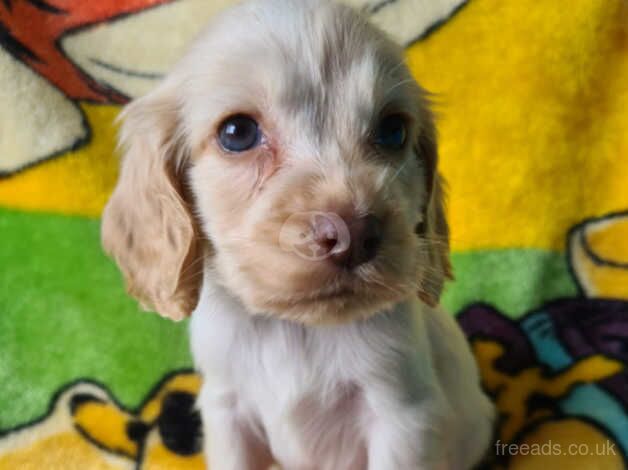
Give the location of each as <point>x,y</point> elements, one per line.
<point>407,378</point>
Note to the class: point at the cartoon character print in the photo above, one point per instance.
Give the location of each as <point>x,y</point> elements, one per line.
<point>557,378</point>
<point>598,255</point>
<point>38,74</point>
<point>72,54</point>
<point>32,30</point>
<point>87,428</point>
<point>558,375</point>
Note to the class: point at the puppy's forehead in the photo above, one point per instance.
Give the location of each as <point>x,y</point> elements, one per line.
<point>337,73</point>
<point>318,64</point>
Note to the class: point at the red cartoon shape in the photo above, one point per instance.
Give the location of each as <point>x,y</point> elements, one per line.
<point>31,31</point>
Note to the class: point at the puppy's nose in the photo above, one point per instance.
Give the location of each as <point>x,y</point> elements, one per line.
<point>364,239</point>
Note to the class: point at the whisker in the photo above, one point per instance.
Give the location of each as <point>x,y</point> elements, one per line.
<point>398,84</point>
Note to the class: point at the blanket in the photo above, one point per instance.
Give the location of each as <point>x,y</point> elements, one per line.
<point>532,105</point>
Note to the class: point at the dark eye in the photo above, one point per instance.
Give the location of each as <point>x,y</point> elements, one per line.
<point>239,133</point>
<point>391,132</point>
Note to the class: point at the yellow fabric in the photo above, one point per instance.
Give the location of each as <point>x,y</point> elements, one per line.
<point>609,242</point>
<point>106,424</point>
<point>533,104</point>
<point>76,183</point>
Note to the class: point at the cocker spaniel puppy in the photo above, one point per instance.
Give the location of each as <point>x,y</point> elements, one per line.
<point>281,185</point>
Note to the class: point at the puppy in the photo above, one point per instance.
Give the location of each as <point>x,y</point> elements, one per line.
<point>281,184</point>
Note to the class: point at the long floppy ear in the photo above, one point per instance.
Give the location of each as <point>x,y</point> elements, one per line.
<point>147,225</point>
<point>434,229</point>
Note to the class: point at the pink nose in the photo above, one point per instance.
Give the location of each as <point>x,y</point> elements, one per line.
<point>364,239</point>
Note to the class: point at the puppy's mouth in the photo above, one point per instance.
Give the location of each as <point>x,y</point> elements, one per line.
<point>350,295</point>
<point>355,288</point>
<point>342,293</point>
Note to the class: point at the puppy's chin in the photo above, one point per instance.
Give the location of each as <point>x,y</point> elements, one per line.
<point>312,293</point>
<point>342,307</point>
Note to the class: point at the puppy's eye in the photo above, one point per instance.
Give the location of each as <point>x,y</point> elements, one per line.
<point>391,132</point>
<point>239,133</point>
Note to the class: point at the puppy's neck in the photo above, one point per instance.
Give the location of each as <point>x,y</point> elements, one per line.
<point>234,345</point>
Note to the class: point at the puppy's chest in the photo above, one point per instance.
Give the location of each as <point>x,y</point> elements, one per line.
<point>305,390</point>
<point>287,368</point>
<point>309,399</point>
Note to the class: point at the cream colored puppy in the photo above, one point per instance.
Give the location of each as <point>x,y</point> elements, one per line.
<point>281,183</point>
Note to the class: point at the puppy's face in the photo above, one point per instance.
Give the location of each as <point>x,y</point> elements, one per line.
<point>296,158</point>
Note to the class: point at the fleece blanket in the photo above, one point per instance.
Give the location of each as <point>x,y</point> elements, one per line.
<point>532,104</point>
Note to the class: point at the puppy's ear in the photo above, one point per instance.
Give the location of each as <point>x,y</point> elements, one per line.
<point>147,225</point>
<point>434,230</point>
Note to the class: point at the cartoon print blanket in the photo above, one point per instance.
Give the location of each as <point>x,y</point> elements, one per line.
<point>532,102</point>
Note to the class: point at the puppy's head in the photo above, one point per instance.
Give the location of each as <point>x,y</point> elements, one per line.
<point>291,155</point>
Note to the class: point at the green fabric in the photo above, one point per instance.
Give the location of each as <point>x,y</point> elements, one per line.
<point>65,314</point>
<point>514,281</point>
